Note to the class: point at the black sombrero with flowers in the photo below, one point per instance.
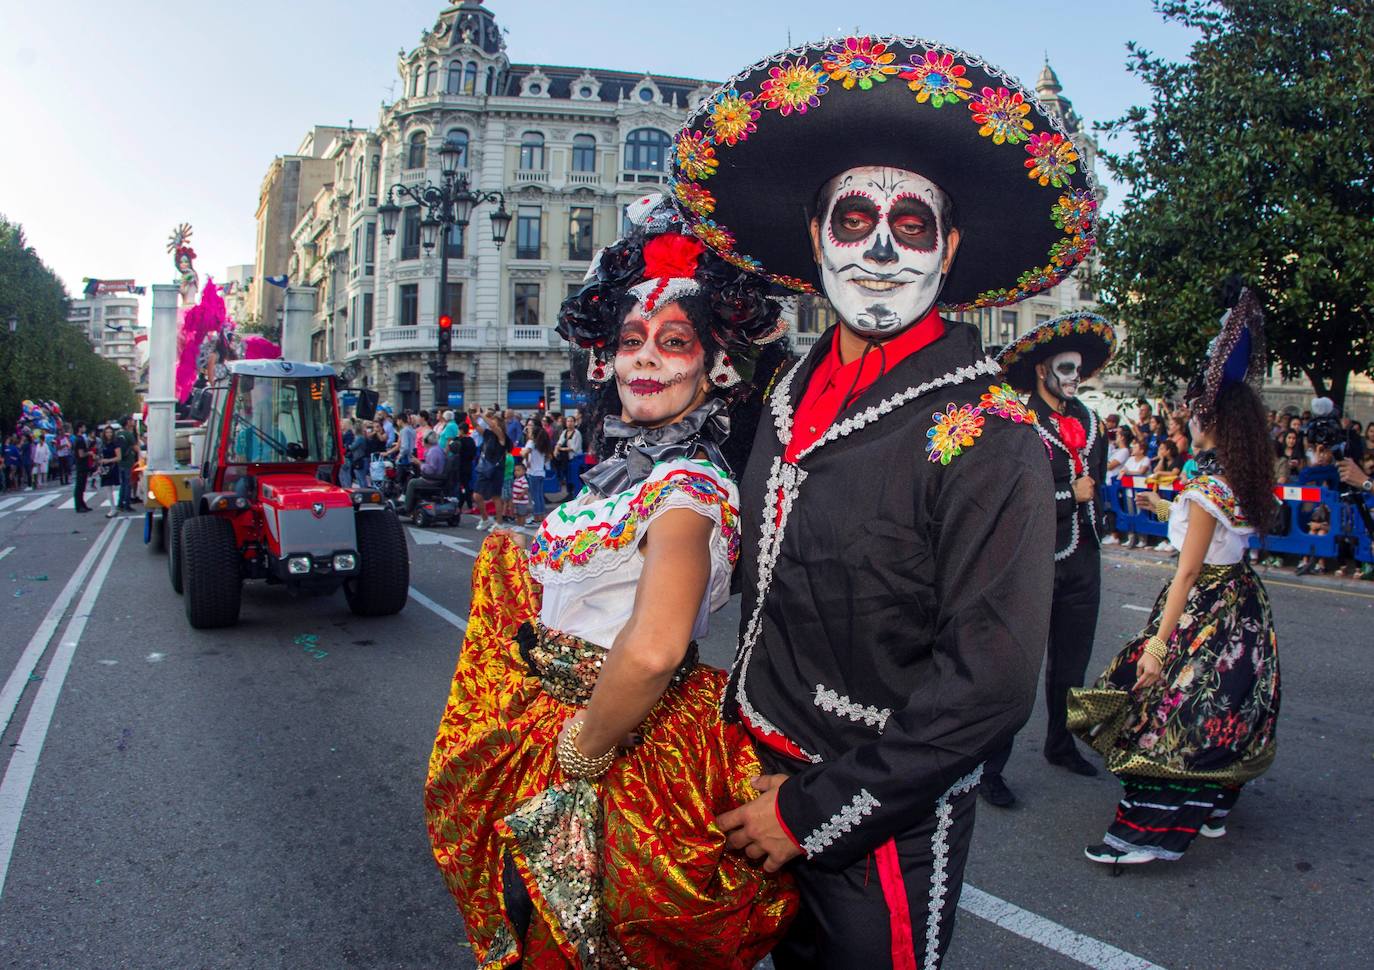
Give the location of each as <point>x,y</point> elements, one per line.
<point>1088,333</point>
<point>750,160</point>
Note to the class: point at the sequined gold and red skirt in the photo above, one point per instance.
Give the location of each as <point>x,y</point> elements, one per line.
<point>628,870</point>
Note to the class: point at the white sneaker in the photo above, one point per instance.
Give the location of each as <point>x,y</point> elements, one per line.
<point>1212,830</point>
<point>1110,541</point>
<point>1165,547</point>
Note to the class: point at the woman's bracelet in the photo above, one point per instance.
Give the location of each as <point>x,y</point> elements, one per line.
<point>575,764</point>
<point>1162,509</point>
<point>1156,648</point>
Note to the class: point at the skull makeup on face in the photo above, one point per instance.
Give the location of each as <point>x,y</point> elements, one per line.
<point>1059,375</point>
<point>883,247</point>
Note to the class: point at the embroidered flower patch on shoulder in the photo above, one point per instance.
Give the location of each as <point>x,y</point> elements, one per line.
<point>955,429</point>
<point>1003,401</point>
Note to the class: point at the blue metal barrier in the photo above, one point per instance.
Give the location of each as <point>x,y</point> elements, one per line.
<point>1298,502</point>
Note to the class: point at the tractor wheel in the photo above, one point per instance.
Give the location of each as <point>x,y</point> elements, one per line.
<point>213,570</point>
<point>418,516</point>
<point>177,517</point>
<point>157,530</point>
<point>383,581</point>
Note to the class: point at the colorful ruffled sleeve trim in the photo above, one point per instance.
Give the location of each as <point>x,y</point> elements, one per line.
<point>601,536</point>
<point>1216,497</point>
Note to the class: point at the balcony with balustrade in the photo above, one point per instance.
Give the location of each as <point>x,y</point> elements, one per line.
<point>419,339</point>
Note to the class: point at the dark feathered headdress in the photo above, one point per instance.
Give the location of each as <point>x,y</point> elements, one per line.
<point>1236,353</point>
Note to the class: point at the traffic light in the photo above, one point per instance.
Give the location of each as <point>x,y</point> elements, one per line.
<point>445,333</point>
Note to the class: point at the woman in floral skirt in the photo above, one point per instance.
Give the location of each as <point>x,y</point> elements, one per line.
<point>582,758</point>
<point>1185,714</point>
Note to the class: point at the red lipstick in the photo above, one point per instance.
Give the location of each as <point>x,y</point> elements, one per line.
<point>644,386</point>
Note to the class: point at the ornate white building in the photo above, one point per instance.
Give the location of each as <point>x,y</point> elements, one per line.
<point>110,322</point>
<point>569,147</point>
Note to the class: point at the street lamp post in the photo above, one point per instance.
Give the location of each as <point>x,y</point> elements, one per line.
<point>448,204</point>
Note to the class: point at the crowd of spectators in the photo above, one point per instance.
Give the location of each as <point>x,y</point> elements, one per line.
<point>1157,447</point>
<point>502,466</point>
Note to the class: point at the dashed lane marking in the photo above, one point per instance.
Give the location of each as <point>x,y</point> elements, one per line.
<point>441,611</point>
<point>12,500</point>
<point>14,788</point>
<point>6,551</point>
<point>1049,934</point>
<point>1132,606</point>
<point>39,502</point>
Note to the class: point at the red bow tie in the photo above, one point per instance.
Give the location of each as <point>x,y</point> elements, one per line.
<point>1073,435</point>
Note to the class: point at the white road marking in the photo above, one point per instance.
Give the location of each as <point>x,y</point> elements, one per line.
<point>14,789</point>
<point>6,551</point>
<point>1049,934</point>
<point>1132,606</point>
<point>425,537</point>
<point>39,502</point>
<point>153,658</point>
<point>38,644</point>
<point>442,612</point>
<point>12,500</point>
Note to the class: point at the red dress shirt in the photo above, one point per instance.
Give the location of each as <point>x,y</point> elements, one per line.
<point>833,380</point>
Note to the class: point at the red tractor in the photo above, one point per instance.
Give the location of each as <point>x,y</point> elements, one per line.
<point>268,505</point>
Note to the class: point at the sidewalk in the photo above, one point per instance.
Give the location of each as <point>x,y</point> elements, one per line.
<point>1147,556</point>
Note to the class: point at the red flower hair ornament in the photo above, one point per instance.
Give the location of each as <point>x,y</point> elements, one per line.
<point>670,266</point>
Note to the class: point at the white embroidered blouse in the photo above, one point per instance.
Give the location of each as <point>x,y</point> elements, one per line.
<point>587,556</point>
<point>1233,531</point>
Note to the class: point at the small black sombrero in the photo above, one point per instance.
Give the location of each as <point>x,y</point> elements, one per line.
<point>1088,333</point>
<point>750,160</point>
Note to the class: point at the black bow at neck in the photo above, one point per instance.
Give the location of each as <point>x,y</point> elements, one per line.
<point>638,450</point>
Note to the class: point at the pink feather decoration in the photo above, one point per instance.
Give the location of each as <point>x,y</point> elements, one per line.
<point>197,323</point>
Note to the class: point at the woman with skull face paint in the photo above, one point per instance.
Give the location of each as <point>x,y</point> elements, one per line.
<point>582,756</point>
<point>1049,363</point>
<point>1186,713</point>
<point>898,512</point>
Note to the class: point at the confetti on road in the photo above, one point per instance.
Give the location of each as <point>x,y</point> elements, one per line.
<point>156,657</point>
<point>307,642</point>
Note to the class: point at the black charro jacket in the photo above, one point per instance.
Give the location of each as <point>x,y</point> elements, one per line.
<point>1075,522</point>
<point>896,609</point>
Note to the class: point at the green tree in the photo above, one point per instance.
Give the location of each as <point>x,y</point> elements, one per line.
<point>1254,156</point>
<point>47,358</point>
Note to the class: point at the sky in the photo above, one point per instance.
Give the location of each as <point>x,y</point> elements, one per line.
<point>123,120</point>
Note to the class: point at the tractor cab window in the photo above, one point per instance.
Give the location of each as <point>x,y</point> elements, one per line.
<point>281,421</point>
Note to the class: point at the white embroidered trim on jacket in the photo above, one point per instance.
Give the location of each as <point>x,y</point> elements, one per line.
<point>837,703</point>
<point>859,807</point>
<point>939,851</point>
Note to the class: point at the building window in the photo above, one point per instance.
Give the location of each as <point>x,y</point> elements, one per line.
<point>415,81</point>
<point>470,79</point>
<point>1008,333</point>
<point>491,80</point>
<point>367,318</point>
<point>455,241</point>
<point>455,78</point>
<point>458,138</point>
<point>358,181</point>
<point>646,94</point>
<point>431,79</point>
<point>532,152</point>
<point>1041,318</point>
<point>814,314</point>
<point>584,153</point>
<point>370,249</point>
<point>408,391</point>
<point>526,305</point>
<point>646,150</point>
<point>457,397</point>
<point>410,305</point>
<point>580,233</point>
<point>356,254</point>
<point>524,389</point>
<point>527,235</point>
<point>415,157</point>
<point>374,175</point>
<point>410,232</point>
<point>453,303</point>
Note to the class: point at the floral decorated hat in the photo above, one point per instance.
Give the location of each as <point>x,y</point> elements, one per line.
<point>751,159</point>
<point>1088,333</point>
<point>1237,353</point>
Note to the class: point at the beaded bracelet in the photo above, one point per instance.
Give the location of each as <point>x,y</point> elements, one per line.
<point>575,764</point>
<point>1156,647</point>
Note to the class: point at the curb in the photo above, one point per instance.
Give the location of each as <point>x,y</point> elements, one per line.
<point>1264,572</point>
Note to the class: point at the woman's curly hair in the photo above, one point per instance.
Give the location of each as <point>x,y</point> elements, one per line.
<point>1240,430</point>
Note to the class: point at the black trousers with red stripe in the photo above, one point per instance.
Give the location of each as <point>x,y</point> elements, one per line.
<point>877,912</point>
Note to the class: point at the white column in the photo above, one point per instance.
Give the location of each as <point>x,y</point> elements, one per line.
<point>162,363</point>
<point>298,317</point>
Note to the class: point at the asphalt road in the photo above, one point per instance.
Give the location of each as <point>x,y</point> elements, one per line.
<point>252,797</point>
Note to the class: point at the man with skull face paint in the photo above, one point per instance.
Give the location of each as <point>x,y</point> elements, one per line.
<point>1049,363</point>
<point>897,557</point>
